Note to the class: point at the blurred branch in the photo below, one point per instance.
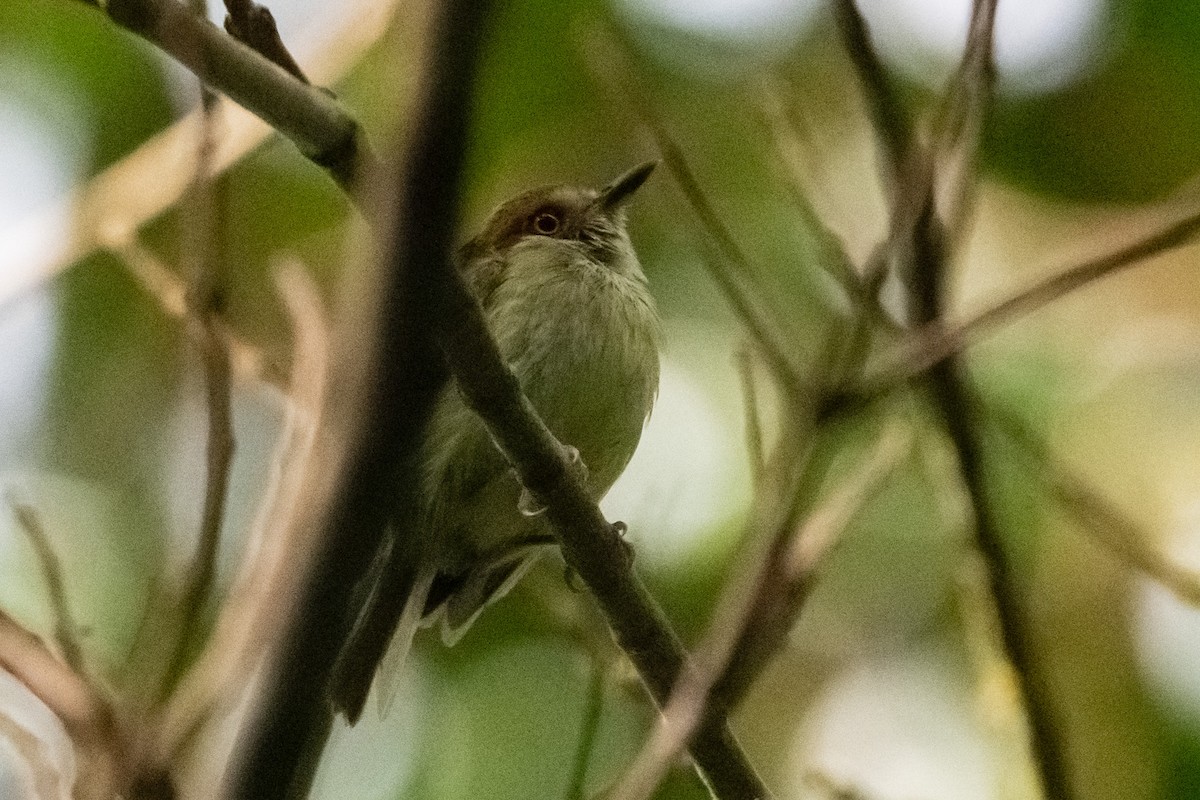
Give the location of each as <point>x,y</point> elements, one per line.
<point>589,726</point>
<point>200,237</point>
<point>730,268</point>
<point>1107,524</point>
<point>960,128</point>
<point>684,713</point>
<point>796,559</point>
<point>833,258</point>
<point>777,565</point>
<point>66,632</point>
<point>254,26</point>
<point>754,432</point>
<point>252,613</point>
<point>83,711</point>
<point>937,341</point>
<point>248,362</point>
<point>118,201</point>
<point>921,237</point>
<point>311,118</point>
<point>888,118</point>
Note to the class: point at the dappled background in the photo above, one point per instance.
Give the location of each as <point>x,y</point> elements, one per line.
<point>890,686</point>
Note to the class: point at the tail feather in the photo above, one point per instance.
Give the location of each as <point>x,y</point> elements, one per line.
<point>384,630</point>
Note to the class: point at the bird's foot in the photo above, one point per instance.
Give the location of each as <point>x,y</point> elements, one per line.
<point>531,506</point>
<point>620,529</point>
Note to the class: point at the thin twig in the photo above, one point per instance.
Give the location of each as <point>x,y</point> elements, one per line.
<point>754,432</point>
<point>249,362</point>
<point>312,119</point>
<point>87,716</point>
<point>253,611</point>
<point>589,726</point>
<point>729,267</point>
<point>967,104</point>
<point>832,250</point>
<point>202,304</point>
<point>686,709</point>
<point>936,341</point>
<point>66,632</point>
<point>782,559</point>
<point>919,246</point>
<point>890,122</point>
<point>1108,525</point>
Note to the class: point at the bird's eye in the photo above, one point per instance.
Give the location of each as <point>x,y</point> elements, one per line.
<point>545,224</point>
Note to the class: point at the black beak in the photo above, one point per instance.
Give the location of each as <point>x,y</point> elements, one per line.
<point>616,193</point>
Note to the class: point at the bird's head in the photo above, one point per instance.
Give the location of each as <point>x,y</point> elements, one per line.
<point>590,220</point>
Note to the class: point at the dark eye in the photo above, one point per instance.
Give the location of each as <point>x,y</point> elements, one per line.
<point>545,224</point>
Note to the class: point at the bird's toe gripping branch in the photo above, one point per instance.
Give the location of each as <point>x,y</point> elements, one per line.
<point>531,506</point>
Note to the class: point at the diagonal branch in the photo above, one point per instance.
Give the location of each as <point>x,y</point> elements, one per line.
<point>729,266</point>
<point>312,119</point>
<point>888,119</point>
<point>938,341</point>
<point>66,632</point>
<point>1107,524</point>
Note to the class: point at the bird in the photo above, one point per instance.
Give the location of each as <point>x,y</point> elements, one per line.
<point>563,293</point>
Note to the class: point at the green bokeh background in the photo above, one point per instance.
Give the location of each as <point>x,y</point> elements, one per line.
<point>499,714</point>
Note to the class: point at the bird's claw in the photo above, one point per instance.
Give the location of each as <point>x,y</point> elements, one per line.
<point>530,506</point>
<point>620,529</point>
<point>572,579</point>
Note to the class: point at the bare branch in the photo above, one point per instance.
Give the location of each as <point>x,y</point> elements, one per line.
<point>730,268</point>
<point>87,716</point>
<point>312,119</point>
<point>66,632</point>
<point>202,322</point>
<point>143,184</point>
<point>248,362</point>
<point>254,609</point>
<point>833,258</point>
<point>1108,525</point>
<point>754,433</point>
<point>888,119</point>
<point>937,341</point>
<point>776,565</point>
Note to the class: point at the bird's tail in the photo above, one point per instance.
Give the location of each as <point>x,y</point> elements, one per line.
<point>381,640</point>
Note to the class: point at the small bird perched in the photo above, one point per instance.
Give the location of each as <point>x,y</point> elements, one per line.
<point>565,297</point>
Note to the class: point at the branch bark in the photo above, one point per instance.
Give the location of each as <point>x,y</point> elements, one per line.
<point>312,119</point>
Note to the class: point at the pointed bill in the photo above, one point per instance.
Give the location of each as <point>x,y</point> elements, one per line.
<point>617,192</point>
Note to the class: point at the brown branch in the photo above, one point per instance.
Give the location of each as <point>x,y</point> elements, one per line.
<point>206,335</point>
<point>832,250</point>
<point>66,632</point>
<point>87,716</point>
<point>779,561</point>
<point>937,341</point>
<point>730,268</point>
<point>919,246</point>
<point>753,418</point>
<point>687,711</point>
<point>312,119</point>
<point>1094,513</point>
<point>280,754</point>
<point>888,118</point>
<point>253,612</point>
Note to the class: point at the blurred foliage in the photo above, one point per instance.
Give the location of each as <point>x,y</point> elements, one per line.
<point>498,715</point>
